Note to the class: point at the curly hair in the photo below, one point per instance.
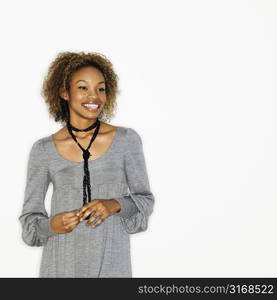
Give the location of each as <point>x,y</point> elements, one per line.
<point>59,75</point>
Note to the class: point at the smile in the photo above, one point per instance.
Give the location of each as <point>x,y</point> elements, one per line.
<point>91,107</point>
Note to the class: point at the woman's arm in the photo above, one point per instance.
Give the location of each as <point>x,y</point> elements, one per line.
<point>34,218</point>
<point>138,205</point>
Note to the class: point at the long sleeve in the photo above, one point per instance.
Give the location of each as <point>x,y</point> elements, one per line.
<point>138,205</point>
<point>34,218</point>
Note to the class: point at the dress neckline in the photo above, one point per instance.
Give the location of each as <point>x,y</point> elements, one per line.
<point>57,154</point>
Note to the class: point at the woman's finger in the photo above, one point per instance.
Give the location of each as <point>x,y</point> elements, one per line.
<point>71,226</point>
<point>84,208</point>
<point>93,219</point>
<point>74,212</point>
<point>87,206</point>
<point>99,213</point>
<point>100,220</point>
<point>87,213</point>
<point>68,220</point>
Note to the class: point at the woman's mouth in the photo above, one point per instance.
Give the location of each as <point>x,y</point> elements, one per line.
<point>91,107</point>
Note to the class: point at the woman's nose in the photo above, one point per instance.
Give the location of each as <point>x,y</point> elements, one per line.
<point>92,96</point>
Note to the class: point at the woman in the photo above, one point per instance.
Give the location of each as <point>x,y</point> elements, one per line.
<point>101,192</point>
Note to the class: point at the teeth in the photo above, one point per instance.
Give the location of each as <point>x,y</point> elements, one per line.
<point>91,105</point>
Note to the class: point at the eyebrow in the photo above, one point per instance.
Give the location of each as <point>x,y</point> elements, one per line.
<point>86,81</point>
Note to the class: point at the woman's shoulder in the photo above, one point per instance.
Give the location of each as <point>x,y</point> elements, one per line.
<point>128,133</point>
<point>38,156</point>
<point>131,137</point>
<point>38,145</point>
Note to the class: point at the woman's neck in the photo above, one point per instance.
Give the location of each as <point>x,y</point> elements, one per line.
<point>83,124</point>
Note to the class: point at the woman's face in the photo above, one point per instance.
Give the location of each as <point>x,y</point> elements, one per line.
<point>87,89</point>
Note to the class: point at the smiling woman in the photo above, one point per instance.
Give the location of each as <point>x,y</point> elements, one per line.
<point>59,80</point>
<point>111,191</point>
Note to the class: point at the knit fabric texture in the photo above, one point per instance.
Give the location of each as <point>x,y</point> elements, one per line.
<point>87,252</point>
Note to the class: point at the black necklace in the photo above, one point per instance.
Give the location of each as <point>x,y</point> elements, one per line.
<point>86,155</point>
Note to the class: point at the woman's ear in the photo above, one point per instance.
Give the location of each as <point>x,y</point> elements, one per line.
<point>63,94</point>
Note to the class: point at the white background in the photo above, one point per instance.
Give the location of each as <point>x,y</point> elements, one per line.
<point>198,82</point>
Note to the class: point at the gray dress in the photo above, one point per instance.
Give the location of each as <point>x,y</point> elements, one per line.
<point>103,251</point>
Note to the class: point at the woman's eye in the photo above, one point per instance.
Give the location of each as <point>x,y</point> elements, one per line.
<point>84,87</point>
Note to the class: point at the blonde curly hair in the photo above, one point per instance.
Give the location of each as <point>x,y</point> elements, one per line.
<point>59,75</point>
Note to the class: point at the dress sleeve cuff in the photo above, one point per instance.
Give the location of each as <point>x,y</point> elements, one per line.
<point>43,226</point>
<point>128,207</point>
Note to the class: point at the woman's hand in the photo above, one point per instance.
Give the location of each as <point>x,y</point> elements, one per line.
<point>101,208</point>
<point>65,221</point>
